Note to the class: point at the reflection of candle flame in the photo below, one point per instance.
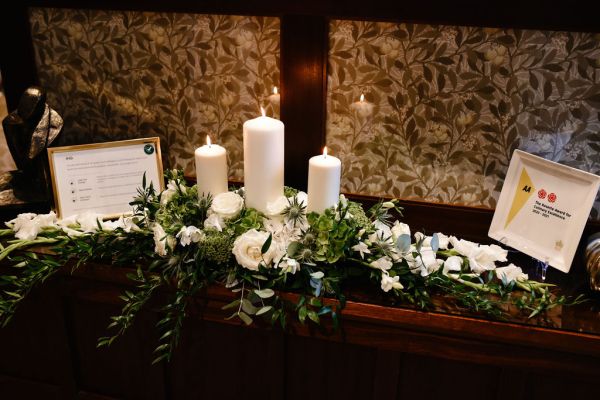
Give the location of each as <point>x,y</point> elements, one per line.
<point>208,142</point>
<point>262,111</point>
<point>325,151</point>
<point>362,97</point>
<point>274,89</point>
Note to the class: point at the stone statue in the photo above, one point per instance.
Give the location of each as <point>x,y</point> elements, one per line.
<point>29,131</point>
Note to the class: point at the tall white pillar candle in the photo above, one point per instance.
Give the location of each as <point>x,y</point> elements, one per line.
<point>211,169</point>
<point>324,173</point>
<point>263,161</point>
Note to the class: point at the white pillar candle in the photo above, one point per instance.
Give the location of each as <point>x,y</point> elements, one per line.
<point>211,169</point>
<point>263,161</point>
<point>275,97</point>
<point>324,174</point>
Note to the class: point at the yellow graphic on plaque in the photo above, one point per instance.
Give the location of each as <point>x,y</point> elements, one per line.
<point>523,193</point>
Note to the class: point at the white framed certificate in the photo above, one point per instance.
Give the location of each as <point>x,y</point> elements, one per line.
<point>543,208</point>
<point>103,177</point>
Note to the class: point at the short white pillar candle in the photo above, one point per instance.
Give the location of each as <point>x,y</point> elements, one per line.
<point>324,174</point>
<point>211,169</point>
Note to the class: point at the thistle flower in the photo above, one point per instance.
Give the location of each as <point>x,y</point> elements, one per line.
<point>295,211</point>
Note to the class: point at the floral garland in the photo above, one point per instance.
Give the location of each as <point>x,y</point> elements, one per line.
<point>178,239</point>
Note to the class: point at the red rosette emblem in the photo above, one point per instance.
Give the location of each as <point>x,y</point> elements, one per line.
<point>542,194</point>
<point>551,197</point>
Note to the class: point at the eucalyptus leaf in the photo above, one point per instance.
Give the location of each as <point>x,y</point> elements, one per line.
<point>264,293</point>
<point>264,309</point>
<point>302,312</point>
<point>245,317</point>
<point>248,307</point>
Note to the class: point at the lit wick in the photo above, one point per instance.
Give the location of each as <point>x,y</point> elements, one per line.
<point>208,142</point>
<point>274,89</point>
<point>325,152</point>
<point>362,97</point>
<point>262,111</point>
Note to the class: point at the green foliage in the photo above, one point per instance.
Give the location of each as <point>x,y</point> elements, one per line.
<point>332,234</point>
<point>216,247</point>
<point>318,266</point>
<point>248,219</point>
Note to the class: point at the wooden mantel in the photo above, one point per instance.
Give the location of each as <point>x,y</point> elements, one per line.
<point>49,349</point>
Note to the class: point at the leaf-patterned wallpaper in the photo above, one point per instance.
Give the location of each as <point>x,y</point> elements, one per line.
<point>119,74</point>
<point>445,106</point>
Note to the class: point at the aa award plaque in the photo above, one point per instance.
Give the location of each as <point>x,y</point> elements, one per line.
<point>543,208</point>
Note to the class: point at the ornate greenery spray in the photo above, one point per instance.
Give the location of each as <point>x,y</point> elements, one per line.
<point>179,240</point>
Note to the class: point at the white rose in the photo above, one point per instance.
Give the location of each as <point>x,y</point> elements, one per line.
<point>384,263</point>
<point>399,229</point>
<point>511,273</point>
<point>162,241</point>
<point>276,208</point>
<point>190,234</point>
<point>247,250</point>
<point>388,283</point>
<point>227,205</point>
<point>214,221</point>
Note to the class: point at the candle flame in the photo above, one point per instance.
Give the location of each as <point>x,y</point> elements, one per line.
<point>208,142</point>
<point>362,97</point>
<point>325,151</point>
<point>262,111</point>
<point>274,89</point>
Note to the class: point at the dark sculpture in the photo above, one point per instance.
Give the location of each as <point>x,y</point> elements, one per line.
<point>29,131</point>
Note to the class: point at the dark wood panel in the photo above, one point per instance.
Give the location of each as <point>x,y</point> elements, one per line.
<point>321,370</point>
<point>33,346</point>
<point>127,363</point>
<point>457,337</point>
<point>221,361</point>
<point>303,86</point>
<point>533,14</point>
<point>550,387</point>
<point>432,378</point>
<point>21,389</point>
<point>92,396</point>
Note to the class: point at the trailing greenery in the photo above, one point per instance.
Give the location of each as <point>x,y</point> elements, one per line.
<point>177,240</point>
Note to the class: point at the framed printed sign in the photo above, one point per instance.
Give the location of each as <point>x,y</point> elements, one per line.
<point>103,177</point>
<point>543,208</point>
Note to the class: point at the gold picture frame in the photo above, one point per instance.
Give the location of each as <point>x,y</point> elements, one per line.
<point>55,174</point>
